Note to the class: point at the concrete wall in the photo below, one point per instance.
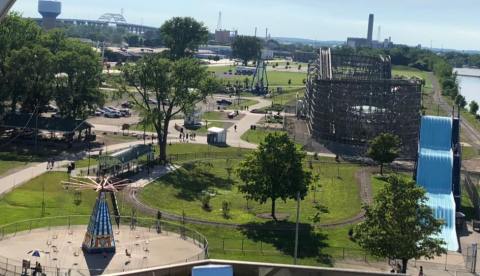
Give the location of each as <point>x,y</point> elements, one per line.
<point>252,269</point>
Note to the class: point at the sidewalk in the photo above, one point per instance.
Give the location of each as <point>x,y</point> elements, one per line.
<point>9,182</point>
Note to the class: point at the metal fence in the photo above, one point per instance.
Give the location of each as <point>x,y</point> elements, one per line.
<point>14,267</point>
<point>328,254</point>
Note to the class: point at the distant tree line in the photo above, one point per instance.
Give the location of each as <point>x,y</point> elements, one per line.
<point>38,67</point>
<point>458,59</point>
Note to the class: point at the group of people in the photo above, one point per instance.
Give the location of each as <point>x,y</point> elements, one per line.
<point>185,137</point>
<point>398,269</point>
<point>50,164</point>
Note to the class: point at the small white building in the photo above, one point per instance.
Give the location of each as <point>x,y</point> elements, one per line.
<point>267,54</point>
<point>217,136</point>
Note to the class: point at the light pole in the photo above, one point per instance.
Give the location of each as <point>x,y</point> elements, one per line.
<point>89,155</point>
<point>296,229</point>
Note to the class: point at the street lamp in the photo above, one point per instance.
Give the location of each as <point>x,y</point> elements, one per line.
<point>89,155</point>
<point>296,229</point>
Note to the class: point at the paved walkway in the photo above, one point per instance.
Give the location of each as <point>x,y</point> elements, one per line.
<point>233,137</point>
<point>9,182</point>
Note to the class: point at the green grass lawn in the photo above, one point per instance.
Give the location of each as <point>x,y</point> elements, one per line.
<point>10,161</point>
<point>468,153</point>
<point>214,115</point>
<point>262,241</point>
<point>276,246</point>
<point>257,136</point>
<point>25,202</point>
<point>275,78</point>
<point>84,162</point>
<point>183,190</point>
<point>377,184</point>
<point>288,96</point>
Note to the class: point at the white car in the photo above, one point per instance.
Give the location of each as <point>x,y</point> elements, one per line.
<point>99,112</point>
<point>111,114</point>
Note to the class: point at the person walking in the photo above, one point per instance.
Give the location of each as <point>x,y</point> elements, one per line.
<point>420,273</point>
<point>235,127</point>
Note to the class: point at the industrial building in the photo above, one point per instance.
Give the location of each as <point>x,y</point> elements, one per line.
<point>351,99</point>
<point>225,36</point>
<point>368,42</point>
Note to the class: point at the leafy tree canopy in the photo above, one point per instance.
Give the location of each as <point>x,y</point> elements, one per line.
<point>274,171</point>
<point>384,149</point>
<point>399,224</point>
<point>183,35</point>
<point>246,48</point>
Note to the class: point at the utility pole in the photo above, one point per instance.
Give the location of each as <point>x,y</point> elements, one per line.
<point>43,199</point>
<point>36,129</point>
<point>296,229</point>
<point>89,155</point>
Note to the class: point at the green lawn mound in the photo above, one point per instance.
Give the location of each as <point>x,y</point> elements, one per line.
<point>257,136</point>
<point>183,191</point>
<point>25,202</point>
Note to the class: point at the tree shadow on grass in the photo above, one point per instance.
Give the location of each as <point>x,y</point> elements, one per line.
<point>282,236</point>
<point>195,178</point>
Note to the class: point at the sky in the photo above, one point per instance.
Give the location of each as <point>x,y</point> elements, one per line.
<point>441,23</point>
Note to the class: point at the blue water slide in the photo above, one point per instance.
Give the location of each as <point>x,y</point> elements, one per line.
<point>434,173</point>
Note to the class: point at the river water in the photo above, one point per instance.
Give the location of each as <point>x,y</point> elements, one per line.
<point>469,85</point>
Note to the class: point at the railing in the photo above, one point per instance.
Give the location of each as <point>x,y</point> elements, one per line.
<point>328,254</point>
<point>14,267</point>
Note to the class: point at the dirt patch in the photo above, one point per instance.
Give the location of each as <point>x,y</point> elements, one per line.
<point>280,216</point>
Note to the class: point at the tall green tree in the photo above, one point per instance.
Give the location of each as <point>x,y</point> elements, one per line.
<point>15,33</point>
<point>460,101</point>
<point>384,149</point>
<point>165,88</point>
<point>399,224</point>
<point>30,72</point>
<point>246,48</point>
<point>274,171</point>
<point>78,78</point>
<point>183,35</point>
<point>473,107</point>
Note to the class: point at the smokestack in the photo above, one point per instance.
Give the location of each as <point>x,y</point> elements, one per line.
<point>370,27</point>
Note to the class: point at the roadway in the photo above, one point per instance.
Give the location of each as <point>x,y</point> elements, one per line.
<point>471,133</point>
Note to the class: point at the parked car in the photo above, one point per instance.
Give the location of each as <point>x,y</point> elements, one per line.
<point>99,112</point>
<point>114,113</point>
<point>224,102</point>
<point>51,108</point>
<point>125,112</point>
<point>127,105</point>
<point>111,114</point>
<point>56,115</point>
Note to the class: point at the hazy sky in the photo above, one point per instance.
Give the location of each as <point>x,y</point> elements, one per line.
<point>447,23</point>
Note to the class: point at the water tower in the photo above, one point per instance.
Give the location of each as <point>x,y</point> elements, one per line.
<point>49,10</point>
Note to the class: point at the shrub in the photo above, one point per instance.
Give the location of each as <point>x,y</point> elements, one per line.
<point>226,209</point>
<point>206,202</point>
